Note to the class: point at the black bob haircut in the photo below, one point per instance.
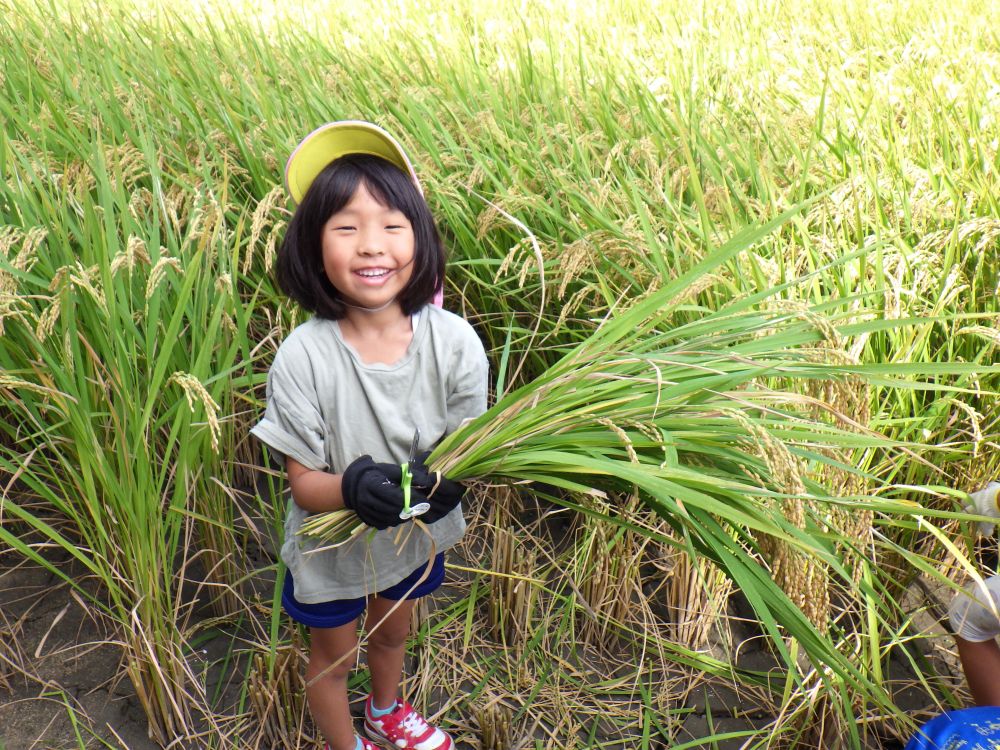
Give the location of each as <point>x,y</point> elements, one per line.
<point>300,274</point>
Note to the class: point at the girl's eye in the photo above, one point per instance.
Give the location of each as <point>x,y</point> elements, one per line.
<point>394,226</point>
<point>343,229</point>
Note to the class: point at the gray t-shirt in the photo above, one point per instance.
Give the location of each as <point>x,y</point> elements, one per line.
<point>325,408</point>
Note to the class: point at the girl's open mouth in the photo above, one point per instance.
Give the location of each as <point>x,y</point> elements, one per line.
<point>373,275</point>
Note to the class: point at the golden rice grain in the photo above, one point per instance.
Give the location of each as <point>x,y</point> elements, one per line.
<point>28,255</point>
<point>139,203</point>
<point>87,279</point>
<point>11,306</point>
<point>9,236</point>
<point>14,383</point>
<point>8,284</point>
<point>135,252</point>
<point>623,436</point>
<point>271,247</point>
<point>126,163</point>
<point>259,221</point>
<point>47,320</point>
<point>487,219</point>
<point>194,391</point>
<point>158,272</point>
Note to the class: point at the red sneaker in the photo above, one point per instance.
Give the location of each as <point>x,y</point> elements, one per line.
<point>404,729</point>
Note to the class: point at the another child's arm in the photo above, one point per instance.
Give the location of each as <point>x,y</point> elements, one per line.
<point>981,664</point>
<point>975,618</point>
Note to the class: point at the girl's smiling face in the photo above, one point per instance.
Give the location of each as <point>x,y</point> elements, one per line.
<point>368,251</point>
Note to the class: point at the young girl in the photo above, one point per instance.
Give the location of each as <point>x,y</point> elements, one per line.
<point>345,395</point>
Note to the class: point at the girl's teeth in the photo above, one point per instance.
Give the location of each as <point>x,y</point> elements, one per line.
<point>373,273</point>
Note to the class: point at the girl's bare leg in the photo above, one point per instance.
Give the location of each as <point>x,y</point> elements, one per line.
<point>387,647</point>
<point>328,694</point>
<point>981,664</point>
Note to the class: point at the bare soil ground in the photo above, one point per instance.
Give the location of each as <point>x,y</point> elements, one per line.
<point>61,685</point>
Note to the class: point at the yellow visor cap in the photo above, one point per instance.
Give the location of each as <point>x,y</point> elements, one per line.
<point>336,139</point>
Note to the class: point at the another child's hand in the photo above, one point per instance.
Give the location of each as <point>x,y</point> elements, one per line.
<point>985,502</point>
<point>441,493</point>
<point>975,612</point>
<point>372,491</point>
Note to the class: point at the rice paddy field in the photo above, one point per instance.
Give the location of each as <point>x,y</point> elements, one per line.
<point>736,266</point>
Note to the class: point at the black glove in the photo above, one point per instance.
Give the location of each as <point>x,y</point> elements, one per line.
<point>441,493</point>
<point>372,491</point>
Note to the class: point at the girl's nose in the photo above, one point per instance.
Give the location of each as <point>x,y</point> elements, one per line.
<point>370,246</point>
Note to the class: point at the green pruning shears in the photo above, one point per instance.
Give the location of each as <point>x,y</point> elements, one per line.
<point>406,479</point>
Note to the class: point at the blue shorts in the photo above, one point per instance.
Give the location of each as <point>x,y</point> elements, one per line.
<point>342,611</point>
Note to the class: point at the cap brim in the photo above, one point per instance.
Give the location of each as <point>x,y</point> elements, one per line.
<point>336,139</point>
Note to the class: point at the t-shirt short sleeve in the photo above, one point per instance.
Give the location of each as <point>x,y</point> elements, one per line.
<point>292,425</point>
